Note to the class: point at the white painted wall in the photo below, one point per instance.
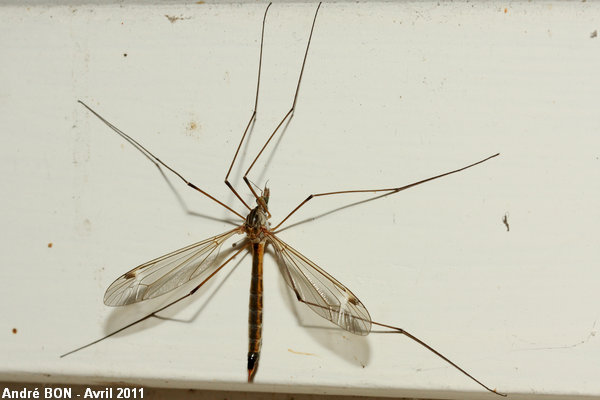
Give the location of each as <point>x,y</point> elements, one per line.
<point>392,93</point>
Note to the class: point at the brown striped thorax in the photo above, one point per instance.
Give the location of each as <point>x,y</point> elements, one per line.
<point>257,221</point>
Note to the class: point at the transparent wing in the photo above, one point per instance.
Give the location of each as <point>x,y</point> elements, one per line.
<point>168,272</point>
<point>324,294</point>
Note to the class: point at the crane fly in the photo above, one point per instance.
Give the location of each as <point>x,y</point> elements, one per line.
<point>312,285</point>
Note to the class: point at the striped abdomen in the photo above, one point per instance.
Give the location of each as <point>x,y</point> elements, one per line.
<point>255,309</point>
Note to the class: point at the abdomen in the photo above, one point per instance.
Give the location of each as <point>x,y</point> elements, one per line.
<point>255,309</point>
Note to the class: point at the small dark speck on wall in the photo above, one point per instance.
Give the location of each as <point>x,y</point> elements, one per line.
<point>505,221</point>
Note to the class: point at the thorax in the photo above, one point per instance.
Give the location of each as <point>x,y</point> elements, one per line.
<point>256,224</point>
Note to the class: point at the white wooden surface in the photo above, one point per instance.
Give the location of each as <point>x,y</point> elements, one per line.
<point>392,93</point>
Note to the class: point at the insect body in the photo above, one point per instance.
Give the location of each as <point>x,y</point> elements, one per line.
<point>200,261</point>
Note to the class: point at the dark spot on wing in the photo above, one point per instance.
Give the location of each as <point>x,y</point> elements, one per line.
<point>131,274</point>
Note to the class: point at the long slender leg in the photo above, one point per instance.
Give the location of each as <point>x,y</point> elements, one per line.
<point>394,329</point>
<point>253,116</point>
<point>289,113</point>
<point>437,353</point>
<point>155,159</point>
<point>153,314</point>
<point>391,190</point>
